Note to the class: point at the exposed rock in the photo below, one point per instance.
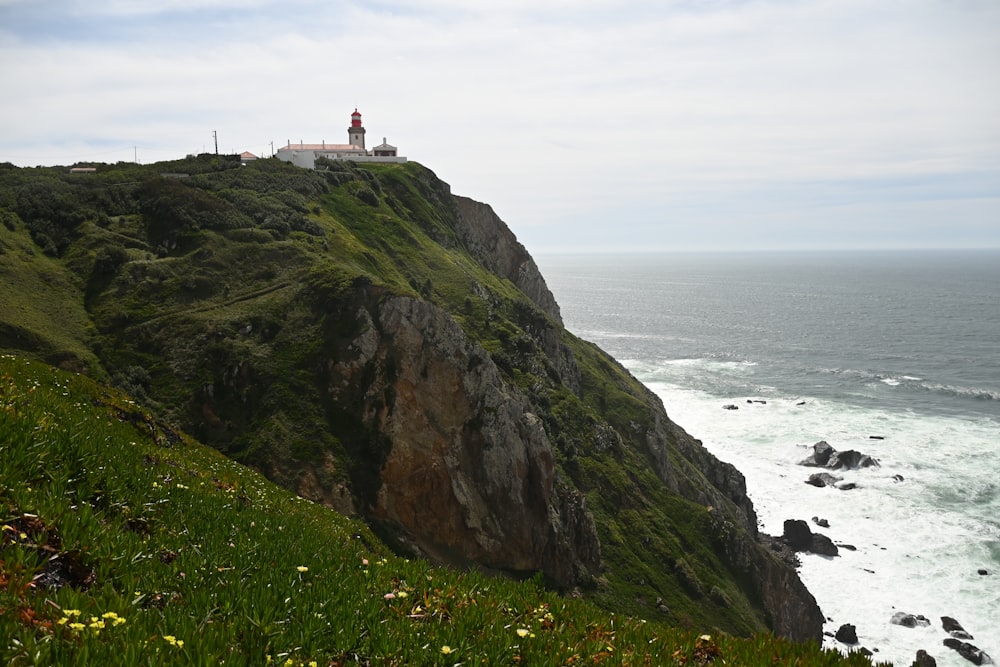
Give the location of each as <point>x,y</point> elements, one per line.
<point>973,654</point>
<point>924,659</point>
<point>730,406</point>
<point>823,545</point>
<point>897,478</point>
<point>799,538</point>
<point>983,572</point>
<point>470,474</point>
<point>821,479</point>
<point>876,437</point>
<point>845,486</point>
<point>849,547</point>
<point>797,535</point>
<point>908,620</point>
<point>822,523</point>
<point>822,451</point>
<point>847,634</point>
<point>825,456</point>
<point>954,628</point>
<point>496,247</point>
<point>851,459</point>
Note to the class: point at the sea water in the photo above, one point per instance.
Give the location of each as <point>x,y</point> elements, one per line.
<point>896,355</point>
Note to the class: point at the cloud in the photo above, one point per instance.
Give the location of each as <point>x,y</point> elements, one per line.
<point>559,114</point>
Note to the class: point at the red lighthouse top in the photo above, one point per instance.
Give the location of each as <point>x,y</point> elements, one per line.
<point>356,118</point>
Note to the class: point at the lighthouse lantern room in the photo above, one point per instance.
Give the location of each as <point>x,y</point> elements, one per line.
<point>356,133</point>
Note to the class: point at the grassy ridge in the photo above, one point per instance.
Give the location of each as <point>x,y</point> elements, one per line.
<point>124,542</point>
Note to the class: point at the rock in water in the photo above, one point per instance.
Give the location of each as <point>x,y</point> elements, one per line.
<point>973,654</point>
<point>822,451</point>
<point>908,620</point>
<point>823,545</point>
<point>797,535</point>
<point>847,634</point>
<point>924,659</point>
<point>821,479</point>
<point>822,523</point>
<point>954,628</point>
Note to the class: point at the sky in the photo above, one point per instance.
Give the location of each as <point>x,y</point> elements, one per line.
<point>588,125</point>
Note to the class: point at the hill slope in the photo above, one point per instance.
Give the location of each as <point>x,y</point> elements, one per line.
<point>374,343</point>
<point>125,542</point>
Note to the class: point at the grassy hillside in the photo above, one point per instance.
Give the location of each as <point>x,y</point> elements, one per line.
<point>219,296</point>
<point>125,542</point>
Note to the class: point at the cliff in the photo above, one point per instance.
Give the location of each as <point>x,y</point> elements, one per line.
<point>377,344</point>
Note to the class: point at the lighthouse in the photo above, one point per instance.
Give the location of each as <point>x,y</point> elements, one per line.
<point>356,133</point>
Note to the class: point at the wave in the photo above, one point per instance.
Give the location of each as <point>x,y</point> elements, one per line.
<point>914,382</point>
<point>977,393</point>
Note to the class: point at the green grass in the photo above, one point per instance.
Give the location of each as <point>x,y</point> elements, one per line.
<point>125,542</point>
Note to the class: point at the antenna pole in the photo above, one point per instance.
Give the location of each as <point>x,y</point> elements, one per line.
<point>215,135</point>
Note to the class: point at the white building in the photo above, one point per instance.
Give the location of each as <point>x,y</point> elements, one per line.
<point>305,155</point>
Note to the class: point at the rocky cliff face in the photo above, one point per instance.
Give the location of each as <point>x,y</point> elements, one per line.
<point>496,247</point>
<point>469,475</point>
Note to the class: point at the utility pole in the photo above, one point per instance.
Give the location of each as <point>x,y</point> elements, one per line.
<point>215,136</point>
<point>272,149</point>
<point>135,151</point>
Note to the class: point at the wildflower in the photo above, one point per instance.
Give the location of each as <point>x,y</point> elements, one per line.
<point>402,594</point>
<point>521,632</point>
<point>77,626</point>
<point>302,568</point>
<point>447,649</point>
<point>364,561</point>
<point>97,625</point>
<point>63,621</point>
<point>389,596</point>
<point>312,663</point>
<point>71,612</point>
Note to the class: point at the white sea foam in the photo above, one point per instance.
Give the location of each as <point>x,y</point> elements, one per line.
<point>919,542</point>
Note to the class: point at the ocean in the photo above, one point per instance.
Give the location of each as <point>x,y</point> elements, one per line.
<point>893,354</point>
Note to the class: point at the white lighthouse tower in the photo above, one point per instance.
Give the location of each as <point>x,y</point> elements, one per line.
<point>356,133</point>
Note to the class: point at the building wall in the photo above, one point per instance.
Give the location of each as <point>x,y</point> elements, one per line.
<point>307,158</point>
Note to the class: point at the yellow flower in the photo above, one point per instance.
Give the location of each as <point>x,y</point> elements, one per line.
<point>402,594</point>
<point>77,626</point>
<point>63,621</point>
<point>521,632</point>
<point>170,639</point>
<point>312,663</point>
<point>447,649</point>
<point>71,612</point>
<point>302,568</point>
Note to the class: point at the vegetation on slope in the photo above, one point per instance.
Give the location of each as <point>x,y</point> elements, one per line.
<point>123,541</point>
<point>216,294</point>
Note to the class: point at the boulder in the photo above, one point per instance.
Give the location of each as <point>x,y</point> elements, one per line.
<point>730,406</point>
<point>822,451</point>
<point>973,654</point>
<point>924,659</point>
<point>954,628</point>
<point>825,456</point>
<point>822,523</point>
<point>798,537</point>
<point>909,620</point>
<point>821,479</point>
<point>850,459</point>
<point>823,545</point>
<point>983,572</point>
<point>847,634</point>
